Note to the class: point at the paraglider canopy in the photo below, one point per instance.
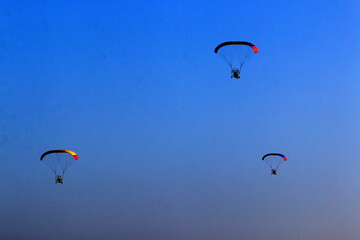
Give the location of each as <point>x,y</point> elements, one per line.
<point>75,156</point>
<point>255,49</point>
<point>274,160</point>
<point>235,54</point>
<point>59,161</point>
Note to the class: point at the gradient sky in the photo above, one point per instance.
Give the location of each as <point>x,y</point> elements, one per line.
<point>169,146</point>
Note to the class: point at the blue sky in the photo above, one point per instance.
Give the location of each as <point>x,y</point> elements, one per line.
<point>169,146</point>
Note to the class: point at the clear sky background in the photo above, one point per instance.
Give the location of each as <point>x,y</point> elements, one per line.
<point>169,146</point>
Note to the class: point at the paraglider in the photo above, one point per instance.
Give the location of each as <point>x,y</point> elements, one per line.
<point>59,161</point>
<point>235,54</point>
<point>274,160</point>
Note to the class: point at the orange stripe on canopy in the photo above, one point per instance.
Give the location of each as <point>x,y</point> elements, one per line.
<point>72,153</point>
<point>256,50</point>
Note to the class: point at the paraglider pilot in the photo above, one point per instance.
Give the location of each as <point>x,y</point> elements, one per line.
<point>59,179</point>
<point>235,73</point>
<point>273,172</point>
